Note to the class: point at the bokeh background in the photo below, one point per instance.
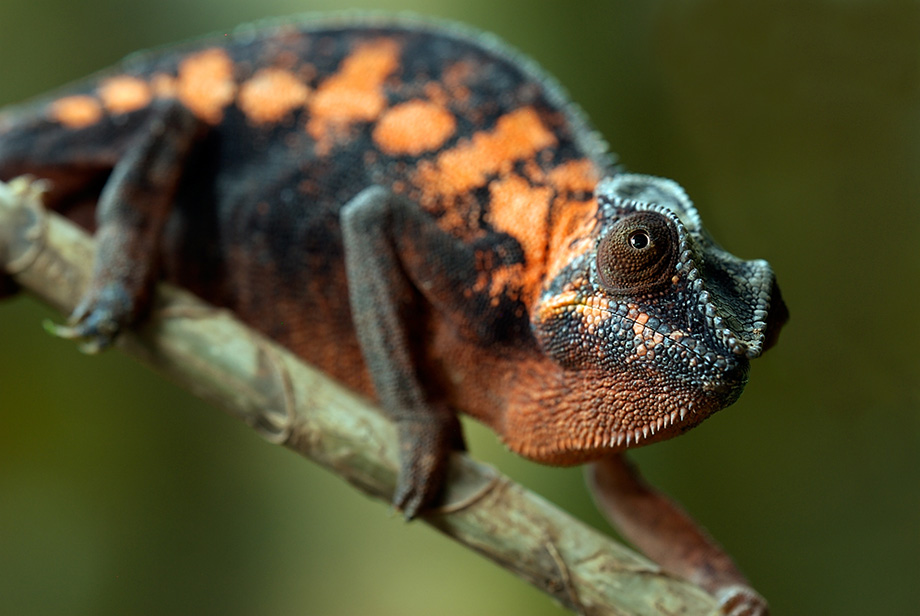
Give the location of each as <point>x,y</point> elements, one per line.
<point>794,125</point>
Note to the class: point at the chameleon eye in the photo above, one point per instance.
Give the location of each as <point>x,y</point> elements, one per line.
<point>637,253</point>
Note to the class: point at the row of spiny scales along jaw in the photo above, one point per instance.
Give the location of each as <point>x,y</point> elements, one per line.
<point>680,347</point>
<point>693,242</point>
<point>627,317</point>
<point>676,344</point>
<point>632,437</point>
<point>697,354</point>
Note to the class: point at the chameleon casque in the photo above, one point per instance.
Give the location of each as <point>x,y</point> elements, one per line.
<point>418,211</point>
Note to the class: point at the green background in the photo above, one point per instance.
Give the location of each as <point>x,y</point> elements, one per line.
<point>795,126</point>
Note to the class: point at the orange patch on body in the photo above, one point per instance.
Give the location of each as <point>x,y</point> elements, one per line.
<point>517,135</point>
<point>414,127</point>
<point>460,222</point>
<point>572,234</point>
<point>521,210</point>
<point>575,176</point>
<point>124,94</point>
<point>205,84</point>
<point>271,94</point>
<point>503,280</point>
<point>353,94</point>
<point>76,111</point>
<point>164,86</point>
<point>574,221</point>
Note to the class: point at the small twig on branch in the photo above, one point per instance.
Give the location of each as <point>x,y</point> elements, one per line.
<point>208,352</point>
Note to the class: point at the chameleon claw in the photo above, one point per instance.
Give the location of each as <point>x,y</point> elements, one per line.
<point>418,486</point>
<point>96,321</point>
<point>409,502</point>
<point>87,342</point>
<point>425,452</point>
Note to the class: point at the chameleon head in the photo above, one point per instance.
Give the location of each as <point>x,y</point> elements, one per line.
<point>655,325</point>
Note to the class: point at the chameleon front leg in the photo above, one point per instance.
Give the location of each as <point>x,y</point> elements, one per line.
<point>669,536</point>
<point>382,303</point>
<point>131,213</point>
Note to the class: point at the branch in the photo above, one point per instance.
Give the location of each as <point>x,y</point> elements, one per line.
<point>208,352</point>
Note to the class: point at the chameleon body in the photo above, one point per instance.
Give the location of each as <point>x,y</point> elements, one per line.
<point>421,213</point>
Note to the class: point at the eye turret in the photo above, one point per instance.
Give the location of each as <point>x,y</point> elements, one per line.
<point>637,254</point>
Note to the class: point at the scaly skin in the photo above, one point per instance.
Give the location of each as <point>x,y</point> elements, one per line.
<point>419,212</point>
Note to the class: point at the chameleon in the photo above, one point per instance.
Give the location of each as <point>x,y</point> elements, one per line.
<point>419,211</point>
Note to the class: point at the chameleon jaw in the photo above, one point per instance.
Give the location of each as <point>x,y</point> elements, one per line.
<point>583,415</point>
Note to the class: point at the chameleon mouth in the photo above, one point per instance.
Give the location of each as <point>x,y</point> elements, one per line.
<point>666,426</point>
<point>632,380</point>
<point>674,415</point>
<point>642,378</point>
<point>673,382</point>
<point>646,434</point>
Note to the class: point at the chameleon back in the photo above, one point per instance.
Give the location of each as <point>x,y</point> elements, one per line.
<point>300,119</point>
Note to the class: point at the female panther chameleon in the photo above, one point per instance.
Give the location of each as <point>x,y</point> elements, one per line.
<point>418,211</point>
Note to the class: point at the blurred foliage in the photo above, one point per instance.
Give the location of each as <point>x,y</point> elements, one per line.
<point>795,126</point>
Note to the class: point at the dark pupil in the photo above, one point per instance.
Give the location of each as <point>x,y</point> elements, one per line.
<point>639,240</point>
